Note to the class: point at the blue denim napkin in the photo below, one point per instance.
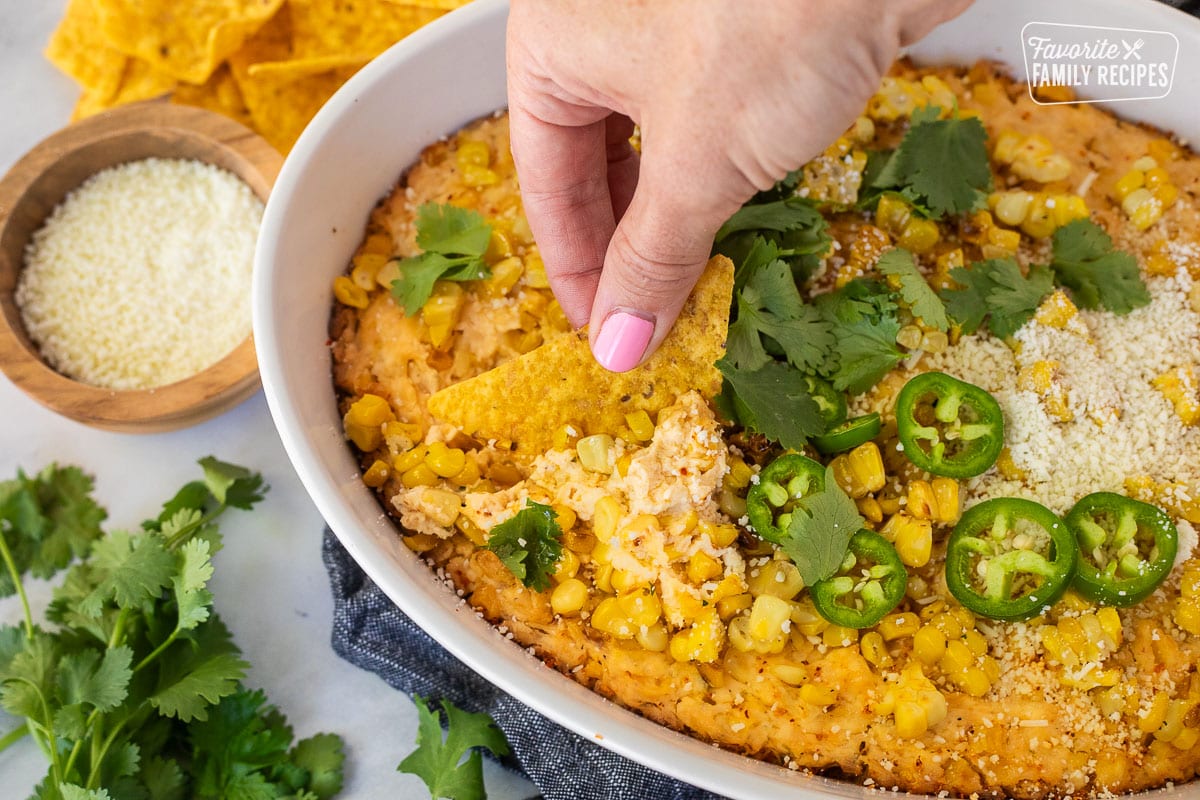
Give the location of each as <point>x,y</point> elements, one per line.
<point>370,632</point>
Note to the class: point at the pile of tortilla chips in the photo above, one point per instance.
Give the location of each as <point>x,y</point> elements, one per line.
<point>269,64</point>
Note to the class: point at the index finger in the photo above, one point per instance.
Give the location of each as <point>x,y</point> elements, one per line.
<point>564,186</point>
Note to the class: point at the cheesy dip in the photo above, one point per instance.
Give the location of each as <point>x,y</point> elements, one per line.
<point>1018,613</point>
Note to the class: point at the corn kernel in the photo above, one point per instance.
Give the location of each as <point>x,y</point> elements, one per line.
<point>1004,240</point>
<point>1042,167</point>
<point>731,606</point>
<point>1039,222</point>
<point>947,503</point>
<point>380,243</point>
<point>870,509</point>
<point>364,419</point>
<point>1010,207</point>
<point>642,607</point>
<point>420,475</point>
<point>348,293</point>
<point>602,578</point>
<point>1068,208</point>
<point>377,474</point>
<point>921,502</point>
<point>816,695</point>
<point>929,645</point>
<point>775,578</point>
<point>838,636</point>
<point>470,530</point>
<point>421,542</point>
<point>1153,717</point>
<point>769,620</point>
<point>653,637</point>
<point>1056,310</point>
<point>914,541</point>
<point>919,235</point>
<point>791,674</point>
<point>703,567</point>
<point>567,566</point>
<point>446,462</point>
<point>973,681</point>
<point>609,618</point>
<point>873,649</point>
<point>806,619</point>
<point>473,153</point>
<point>1179,387</point>
<point>366,267</point>
<point>1143,208</point>
<point>595,452</point>
<point>896,626</point>
<point>442,311</point>
<point>1007,143</point>
<point>865,468</point>
<point>505,274</point>
<point>1166,194</point>
<point>624,581</point>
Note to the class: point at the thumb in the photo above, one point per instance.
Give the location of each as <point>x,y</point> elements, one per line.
<point>656,255</point>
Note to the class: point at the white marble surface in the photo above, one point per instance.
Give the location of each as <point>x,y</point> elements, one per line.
<point>270,585</point>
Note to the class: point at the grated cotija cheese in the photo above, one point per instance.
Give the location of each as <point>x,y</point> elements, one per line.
<point>141,276</point>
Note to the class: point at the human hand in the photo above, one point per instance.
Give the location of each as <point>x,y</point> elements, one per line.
<point>729,98</point>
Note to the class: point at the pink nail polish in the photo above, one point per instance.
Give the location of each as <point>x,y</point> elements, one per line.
<point>622,341</point>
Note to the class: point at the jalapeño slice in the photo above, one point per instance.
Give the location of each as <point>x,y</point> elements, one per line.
<point>869,584</point>
<point>949,427</point>
<point>1126,548</point>
<point>849,435</point>
<point>785,480</point>
<point>831,404</point>
<point>1009,559</point>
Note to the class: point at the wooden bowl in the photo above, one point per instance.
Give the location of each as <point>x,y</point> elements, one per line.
<point>59,164</point>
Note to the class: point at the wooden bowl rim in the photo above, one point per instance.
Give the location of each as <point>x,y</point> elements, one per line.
<point>230,380</point>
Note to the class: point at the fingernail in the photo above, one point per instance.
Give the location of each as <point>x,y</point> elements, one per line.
<point>622,340</point>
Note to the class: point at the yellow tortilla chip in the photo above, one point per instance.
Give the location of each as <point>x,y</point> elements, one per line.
<point>286,71</point>
<point>525,400</point>
<point>139,81</point>
<point>282,104</point>
<point>187,41</point>
<point>77,48</point>
<point>444,5</point>
<point>363,28</point>
<point>219,93</point>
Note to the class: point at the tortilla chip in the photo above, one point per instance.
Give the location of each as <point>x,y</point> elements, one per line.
<point>363,28</point>
<point>219,93</point>
<point>525,400</point>
<point>77,48</point>
<point>139,81</point>
<point>185,40</point>
<point>282,102</point>
<point>296,68</point>
<point>444,5</point>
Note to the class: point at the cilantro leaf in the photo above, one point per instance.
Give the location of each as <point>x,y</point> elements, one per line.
<point>130,570</point>
<point>232,485</point>
<point>816,540</point>
<point>454,240</point>
<point>448,229</point>
<point>439,762</point>
<point>1098,276</point>
<point>791,230</point>
<point>321,756</point>
<point>101,682</point>
<point>46,521</point>
<point>192,686</point>
<point>770,305</point>
<point>529,544</point>
<point>866,351</point>
<point>941,164</point>
<point>71,791</point>
<point>774,400</point>
<point>915,291</point>
<point>192,599</point>
<point>996,290</point>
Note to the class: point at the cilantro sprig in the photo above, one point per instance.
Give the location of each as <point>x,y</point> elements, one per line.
<point>940,166</point>
<point>1098,276</point>
<point>439,761</point>
<point>915,291</point>
<point>819,532</point>
<point>996,291</point>
<point>454,241</point>
<point>529,543</point>
<point>133,688</point>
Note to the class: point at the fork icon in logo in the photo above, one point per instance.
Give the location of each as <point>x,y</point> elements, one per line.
<point>1132,49</point>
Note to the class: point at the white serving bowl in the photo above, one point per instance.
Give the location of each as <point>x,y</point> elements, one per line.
<point>352,154</point>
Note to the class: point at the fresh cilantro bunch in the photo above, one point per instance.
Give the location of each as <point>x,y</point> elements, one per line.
<point>454,240</point>
<point>529,543</point>
<point>439,761</point>
<point>790,229</point>
<point>940,166</point>
<point>133,690</point>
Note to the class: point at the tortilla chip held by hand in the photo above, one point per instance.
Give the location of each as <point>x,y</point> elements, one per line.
<point>524,401</point>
